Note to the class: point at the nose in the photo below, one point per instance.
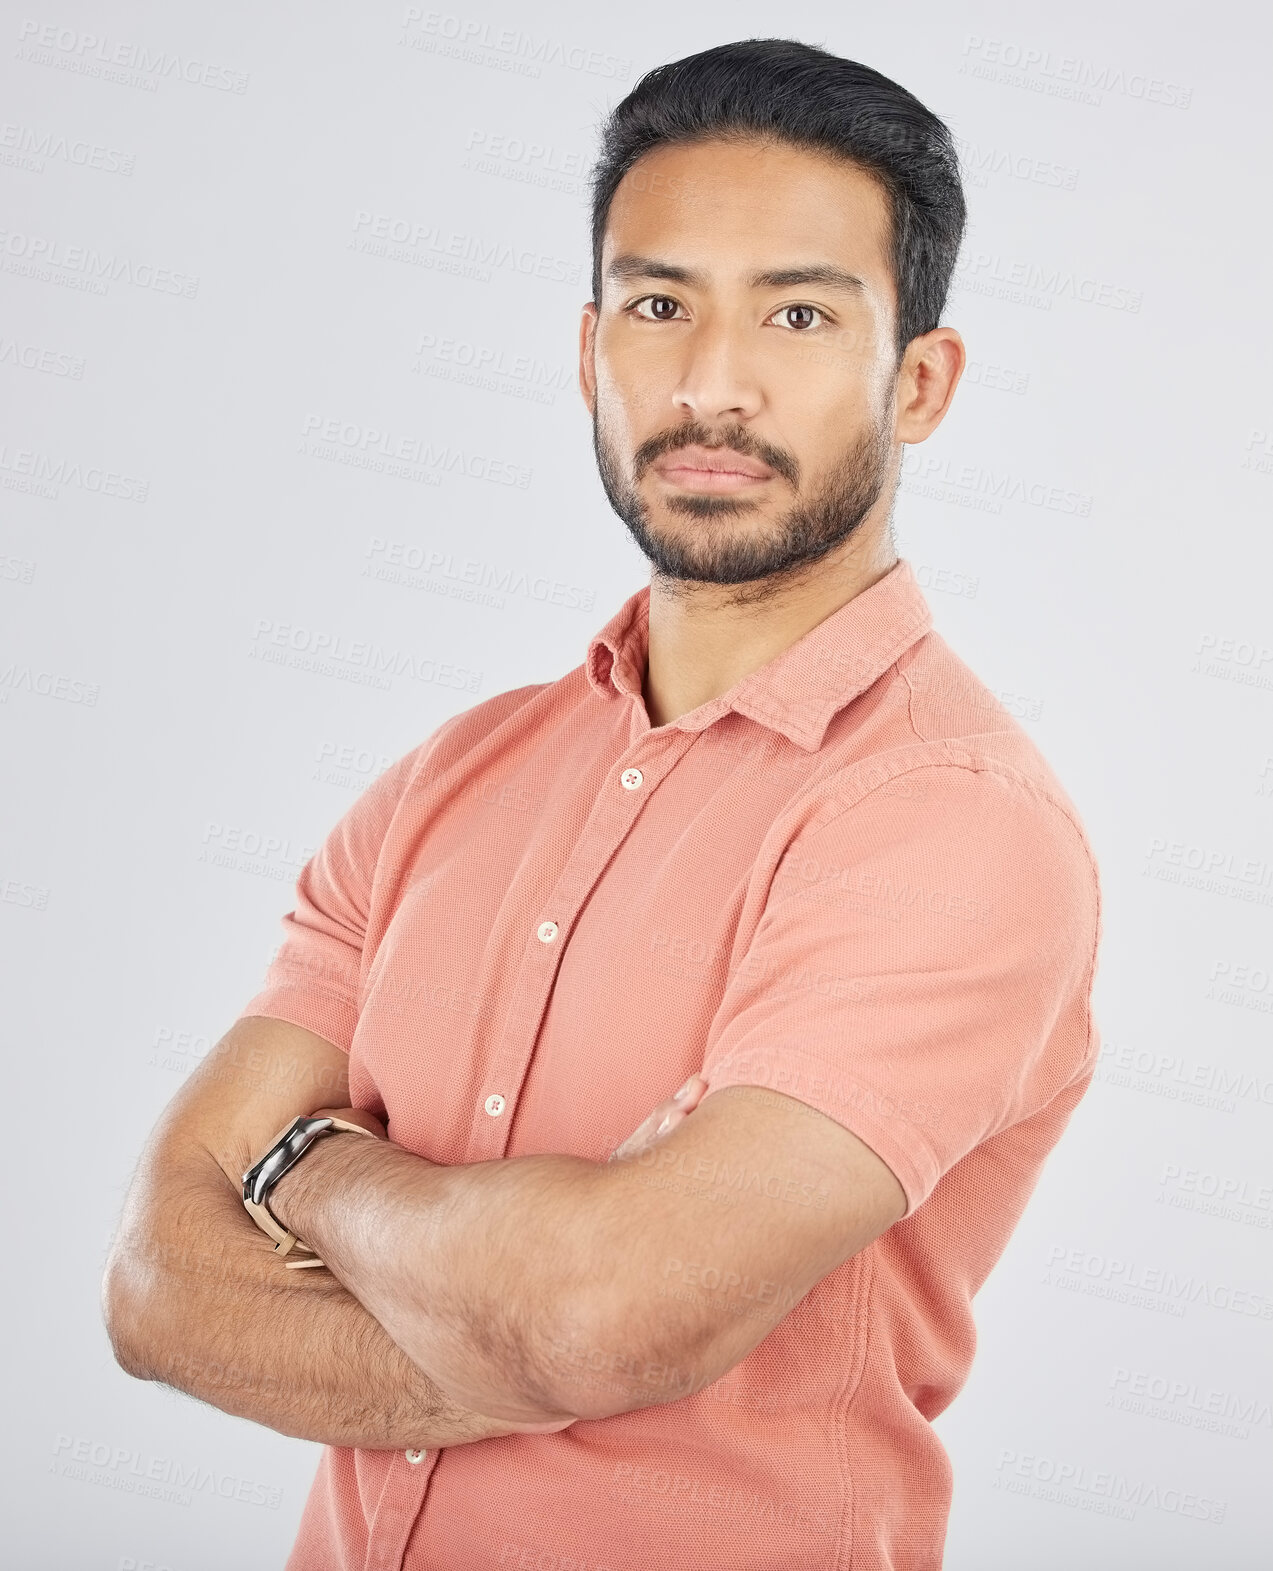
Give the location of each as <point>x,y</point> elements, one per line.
<point>717,379</point>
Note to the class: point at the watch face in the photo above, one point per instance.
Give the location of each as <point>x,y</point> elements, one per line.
<point>292,1143</point>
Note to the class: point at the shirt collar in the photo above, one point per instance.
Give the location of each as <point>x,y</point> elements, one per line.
<point>797,692</point>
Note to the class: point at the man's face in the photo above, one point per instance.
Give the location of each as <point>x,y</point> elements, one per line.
<point>785,382</point>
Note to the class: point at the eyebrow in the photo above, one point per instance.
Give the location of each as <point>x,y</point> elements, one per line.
<point>821,275</point>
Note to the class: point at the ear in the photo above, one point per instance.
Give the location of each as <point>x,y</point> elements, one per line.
<point>587,356</point>
<point>926,382</point>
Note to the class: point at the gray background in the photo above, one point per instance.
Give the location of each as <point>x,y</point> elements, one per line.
<point>199,598</point>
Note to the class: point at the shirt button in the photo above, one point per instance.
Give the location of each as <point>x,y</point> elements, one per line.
<point>494,1104</point>
<point>412,1455</point>
<point>547,932</point>
<point>630,779</point>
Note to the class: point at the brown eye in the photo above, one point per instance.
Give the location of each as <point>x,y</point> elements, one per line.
<point>656,301</point>
<point>806,311</point>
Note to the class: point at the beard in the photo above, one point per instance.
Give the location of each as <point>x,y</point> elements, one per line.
<point>716,554</point>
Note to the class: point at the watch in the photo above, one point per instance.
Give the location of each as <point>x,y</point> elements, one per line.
<point>286,1149</point>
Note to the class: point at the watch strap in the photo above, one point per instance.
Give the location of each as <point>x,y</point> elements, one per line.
<point>285,1241</point>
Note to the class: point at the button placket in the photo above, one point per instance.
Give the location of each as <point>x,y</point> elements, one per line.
<point>610,819</point>
<point>398,1510</point>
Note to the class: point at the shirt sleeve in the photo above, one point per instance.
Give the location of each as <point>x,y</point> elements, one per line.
<point>921,970</point>
<point>315,977</point>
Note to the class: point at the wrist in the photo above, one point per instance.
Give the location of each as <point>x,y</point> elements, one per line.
<point>295,1198</point>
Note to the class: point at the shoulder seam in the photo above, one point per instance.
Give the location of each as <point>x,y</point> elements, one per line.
<point>960,760</point>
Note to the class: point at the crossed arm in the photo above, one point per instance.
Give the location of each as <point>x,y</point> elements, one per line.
<point>489,1297</point>
<point>509,1282</point>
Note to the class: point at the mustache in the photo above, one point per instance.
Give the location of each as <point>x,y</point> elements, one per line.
<point>737,439</point>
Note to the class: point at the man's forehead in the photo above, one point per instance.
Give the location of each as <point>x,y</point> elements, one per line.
<point>773,208</point>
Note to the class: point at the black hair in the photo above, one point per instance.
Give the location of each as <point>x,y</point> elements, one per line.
<point>781,89</point>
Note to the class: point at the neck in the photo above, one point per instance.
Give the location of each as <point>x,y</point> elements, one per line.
<point>704,638</point>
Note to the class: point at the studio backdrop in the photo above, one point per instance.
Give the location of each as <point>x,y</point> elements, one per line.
<point>294,466</point>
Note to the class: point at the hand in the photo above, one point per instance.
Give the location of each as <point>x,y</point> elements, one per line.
<point>483,1427</point>
<point>665,1117</point>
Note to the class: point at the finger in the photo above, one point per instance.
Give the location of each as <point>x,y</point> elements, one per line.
<point>665,1117</point>
<point>691,1093</point>
<point>668,1114</point>
<point>640,1136</point>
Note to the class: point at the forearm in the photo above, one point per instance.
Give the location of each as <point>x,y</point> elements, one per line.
<point>206,1306</point>
<point>479,1272</point>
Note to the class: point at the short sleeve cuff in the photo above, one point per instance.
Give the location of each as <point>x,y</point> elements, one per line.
<point>892,1129</point>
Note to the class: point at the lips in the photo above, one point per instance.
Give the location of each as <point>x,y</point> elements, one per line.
<point>714,460</point>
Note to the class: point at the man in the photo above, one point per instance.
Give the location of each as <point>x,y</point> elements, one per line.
<point>771,843</point>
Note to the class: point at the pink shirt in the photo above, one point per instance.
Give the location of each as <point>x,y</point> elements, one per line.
<point>852,878</point>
